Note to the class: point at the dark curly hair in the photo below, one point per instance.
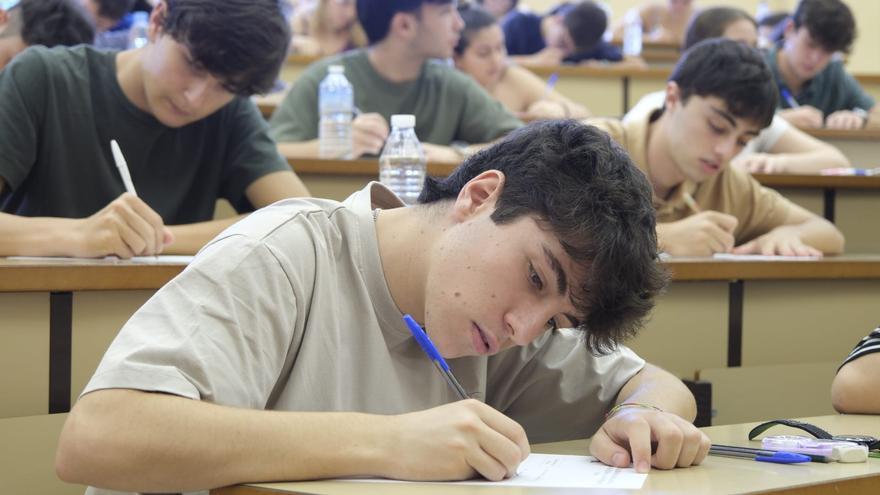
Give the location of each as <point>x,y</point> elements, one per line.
<point>241,42</point>
<point>829,22</point>
<point>581,186</point>
<point>53,23</point>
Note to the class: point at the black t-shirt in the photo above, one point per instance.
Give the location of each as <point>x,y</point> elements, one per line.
<point>59,109</point>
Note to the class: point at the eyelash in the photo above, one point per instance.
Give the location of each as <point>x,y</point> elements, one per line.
<point>536,281</point>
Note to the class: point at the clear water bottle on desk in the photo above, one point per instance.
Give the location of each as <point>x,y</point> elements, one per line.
<point>137,33</point>
<point>632,34</point>
<point>402,163</point>
<point>336,107</point>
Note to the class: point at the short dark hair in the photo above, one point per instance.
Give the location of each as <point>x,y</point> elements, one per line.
<point>475,19</point>
<point>829,22</point>
<point>585,23</point>
<point>55,22</point>
<point>732,71</point>
<point>114,9</point>
<point>581,186</point>
<point>711,23</point>
<point>241,42</point>
<point>375,15</point>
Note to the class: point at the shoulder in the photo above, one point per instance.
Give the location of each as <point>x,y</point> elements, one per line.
<point>613,127</point>
<point>519,19</point>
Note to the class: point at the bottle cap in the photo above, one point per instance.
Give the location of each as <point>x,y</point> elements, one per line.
<point>403,121</point>
<point>140,16</point>
<point>336,69</point>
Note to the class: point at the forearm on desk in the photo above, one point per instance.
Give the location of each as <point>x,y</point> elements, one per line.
<point>36,236</point>
<point>818,233</point>
<point>147,442</point>
<point>189,238</point>
<point>303,149</point>
<point>657,387</point>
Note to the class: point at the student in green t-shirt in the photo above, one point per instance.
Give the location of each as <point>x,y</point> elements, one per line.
<point>395,75</point>
<point>815,90</point>
<point>179,109</point>
<point>41,22</point>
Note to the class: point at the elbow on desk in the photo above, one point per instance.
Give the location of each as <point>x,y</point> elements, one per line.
<point>88,447</point>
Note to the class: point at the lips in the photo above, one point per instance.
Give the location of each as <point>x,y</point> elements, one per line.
<point>710,167</point>
<point>482,341</point>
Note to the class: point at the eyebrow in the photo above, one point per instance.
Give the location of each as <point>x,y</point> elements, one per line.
<point>561,279</point>
<point>728,117</point>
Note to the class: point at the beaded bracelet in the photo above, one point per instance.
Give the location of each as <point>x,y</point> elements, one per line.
<point>620,406</point>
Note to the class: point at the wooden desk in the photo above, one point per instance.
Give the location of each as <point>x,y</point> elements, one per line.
<point>739,314</point>
<point>848,201</point>
<point>861,146</point>
<point>746,326</point>
<point>716,476</point>
<point>51,345</point>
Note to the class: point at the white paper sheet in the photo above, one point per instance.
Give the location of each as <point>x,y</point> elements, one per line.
<point>761,257</point>
<point>554,471</point>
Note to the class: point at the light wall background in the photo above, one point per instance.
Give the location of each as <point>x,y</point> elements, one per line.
<point>864,59</point>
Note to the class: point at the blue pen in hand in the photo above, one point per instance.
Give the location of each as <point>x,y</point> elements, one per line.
<point>787,96</point>
<point>428,346</point>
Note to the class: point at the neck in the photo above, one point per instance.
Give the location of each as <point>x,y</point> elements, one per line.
<point>662,172</point>
<point>792,82</point>
<point>395,62</point>
<point>406,238</point>
<point>129,74</point>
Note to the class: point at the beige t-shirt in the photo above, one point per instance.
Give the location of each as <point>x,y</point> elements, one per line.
<point>732,191</point>
<point>289,310</point>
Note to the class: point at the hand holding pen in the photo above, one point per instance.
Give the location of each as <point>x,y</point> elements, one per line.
<point>126,227</point>
<point>457,440</point>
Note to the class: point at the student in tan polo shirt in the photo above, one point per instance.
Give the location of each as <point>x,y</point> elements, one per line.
<point>719,96</point>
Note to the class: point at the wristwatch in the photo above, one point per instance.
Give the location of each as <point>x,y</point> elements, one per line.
<point>867,440</point>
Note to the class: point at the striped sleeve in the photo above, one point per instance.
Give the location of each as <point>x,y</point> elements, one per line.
<point>868,345</point>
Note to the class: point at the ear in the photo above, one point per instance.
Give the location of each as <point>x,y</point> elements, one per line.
<point>478,195</point>
<point>789,29</point>
<point>673,95</point>
<point>157,20</point>
<point>4,17</point>
<point>403,25</point>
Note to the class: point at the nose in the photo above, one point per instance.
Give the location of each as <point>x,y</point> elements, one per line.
<point>725,147</point>
<point>458,22</point>
<point>526,323</point>
<point>196,92</point>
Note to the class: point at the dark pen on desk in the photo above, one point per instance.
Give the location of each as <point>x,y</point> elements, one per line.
<point>760,455</point>
<point>425,343</point>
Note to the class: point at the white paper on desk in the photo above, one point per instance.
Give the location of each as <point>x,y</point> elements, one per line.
<point>148,260</point>
<point>554,471</point>
<point>762,257</point>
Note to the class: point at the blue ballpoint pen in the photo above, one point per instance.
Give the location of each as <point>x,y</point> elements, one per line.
<point>760,455</point>
<point>787,96</point>
<point>428,346</point>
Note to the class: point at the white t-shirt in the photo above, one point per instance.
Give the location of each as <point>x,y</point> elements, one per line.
<point>288,309</point>
<point>762,143</point>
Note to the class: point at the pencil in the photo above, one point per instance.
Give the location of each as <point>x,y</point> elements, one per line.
<point>691,203</point>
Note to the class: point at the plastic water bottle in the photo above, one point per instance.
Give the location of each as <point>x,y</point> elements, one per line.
<point>137,33</point>
<point>336,106</point>
<point>632,34</point>
<point>402,163</point>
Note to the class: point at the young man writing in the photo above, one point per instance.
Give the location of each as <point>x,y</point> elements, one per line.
<point>41,22</point>
<point>280,352</point>
<point>719,96</point>
<point>816,91</point>
<point>179,110</point>
<point>394,75</point>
